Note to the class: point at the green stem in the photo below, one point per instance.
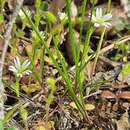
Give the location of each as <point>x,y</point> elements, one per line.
<point>17,86</point>
<point>87,39</point>
<point>78,76</point>
<point>71,31</point>
<point>68,81</point>
<point>42,58</point>
<point>109,6</point>
<point>101,40</point>
<point>1,125</point>
<point>98,50</point>
<point>81,28</point>
<point>62,73</point>
<point>34,70</point>
<point>87,44</point>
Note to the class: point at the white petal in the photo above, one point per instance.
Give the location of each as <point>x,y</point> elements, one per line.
<point>109,24</point>
<point>25,64</point>
<point>106,24</point>
<point>96,25</point>
<point>107,16</point>
<point>28,13</point>
<point>17,62</point>
<point>21,14</point>
<point>99,12</point>
<point>19,75</point>
<point>28,72</point>
<point>42,34</point>
<point>12,68</point>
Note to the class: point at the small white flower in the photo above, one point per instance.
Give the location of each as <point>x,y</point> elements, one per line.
<point>101,20</point>
<point>62,16</point>
<point>42,34</point>
<point>22,15</point>
<point>20,69</point>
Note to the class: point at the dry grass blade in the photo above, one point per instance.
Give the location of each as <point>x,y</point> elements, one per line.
<point>7,37</point>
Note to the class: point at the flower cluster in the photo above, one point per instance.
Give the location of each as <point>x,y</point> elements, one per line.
<point>22,15</point>
<point>101,20</point>
<point>62,16</point>
<point>20,69</point>
<point>35,36</point>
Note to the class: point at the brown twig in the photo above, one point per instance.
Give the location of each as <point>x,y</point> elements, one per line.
<point>93,94</point>
<point>7,37</point>
<point>110,62</point>
<point>116,43</point>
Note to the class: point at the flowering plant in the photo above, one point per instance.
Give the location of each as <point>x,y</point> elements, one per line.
<point>20,69</point>
<point>101,20</point>
<point>62,16</point>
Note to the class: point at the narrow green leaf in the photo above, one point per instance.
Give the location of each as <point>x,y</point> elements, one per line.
<point>1,125</point>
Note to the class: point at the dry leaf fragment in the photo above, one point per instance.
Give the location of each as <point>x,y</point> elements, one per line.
<point>1,44</point>
<point>12,4</point>
<point>124,95</point>
<point>44,125</point>
<point>125,79</point>
<point>88,70</point>
<point>40,128</point>
<point>123,123</point>
<point>73,105</point>
<point>115,107</point>
<point>119,86</point>
<point>29,49</point>
<point>31,88</point>
<point>89,107</point>
<point>56,5</point>
<point>107,94</point>
<point>126,105</point>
